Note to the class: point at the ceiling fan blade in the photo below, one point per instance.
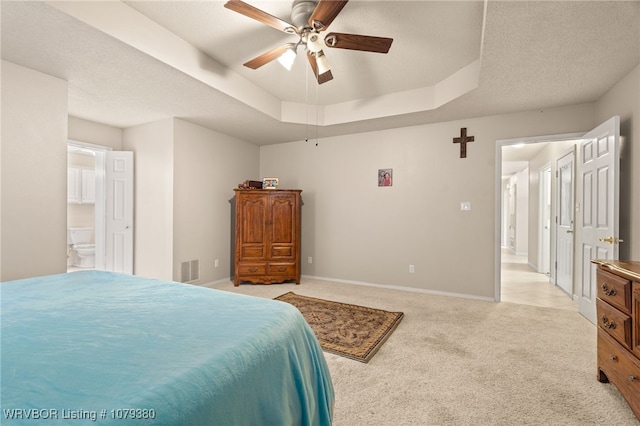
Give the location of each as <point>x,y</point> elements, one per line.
<point>322,78</point>
<point>358,42</point>
<point>325,12</point>
<point>266,57</point>
<point>259,15</point>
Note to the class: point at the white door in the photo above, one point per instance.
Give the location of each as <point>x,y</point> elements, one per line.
<point>599,176</point>
<point>564,221</point>
<point>119,212</point>
<point>513,192</point>
<point>545,220</point>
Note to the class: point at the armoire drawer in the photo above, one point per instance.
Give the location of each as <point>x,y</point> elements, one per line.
<point>252,268</point>
<point>614,290</point>
<point>282,268</point>
<point>621,368</point>
<point>614,322</point>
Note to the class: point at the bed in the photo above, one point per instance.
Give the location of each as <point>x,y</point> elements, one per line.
<point>95,347</point>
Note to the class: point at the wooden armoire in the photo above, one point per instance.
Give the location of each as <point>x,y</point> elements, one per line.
<point>267,235</point>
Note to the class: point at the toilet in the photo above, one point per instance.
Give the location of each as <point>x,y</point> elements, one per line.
<point>83,252</point>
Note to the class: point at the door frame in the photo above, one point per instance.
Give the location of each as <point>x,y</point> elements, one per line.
<point>498,195</point>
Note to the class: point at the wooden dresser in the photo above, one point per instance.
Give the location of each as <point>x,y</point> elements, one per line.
<point>618,315</point>
<point>267,235</point>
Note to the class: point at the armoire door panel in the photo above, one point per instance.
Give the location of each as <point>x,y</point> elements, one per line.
<point>253,220</point>
<point>252,251</point>
<point>282,216</point>
<point>280,251</point>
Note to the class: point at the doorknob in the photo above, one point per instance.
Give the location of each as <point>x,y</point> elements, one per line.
<point>611,240</point>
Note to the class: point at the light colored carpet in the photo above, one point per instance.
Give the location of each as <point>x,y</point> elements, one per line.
<point>455,361</point>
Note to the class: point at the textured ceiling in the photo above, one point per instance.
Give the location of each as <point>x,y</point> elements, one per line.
<point>140,61</point>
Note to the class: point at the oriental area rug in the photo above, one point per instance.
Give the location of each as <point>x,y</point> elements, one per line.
<point>351,331</point>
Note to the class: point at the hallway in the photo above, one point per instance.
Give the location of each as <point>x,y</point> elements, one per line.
<point>520,284</point>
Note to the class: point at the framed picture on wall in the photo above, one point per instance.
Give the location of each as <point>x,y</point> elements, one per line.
<point>385,177</point>
<point>270,183</point>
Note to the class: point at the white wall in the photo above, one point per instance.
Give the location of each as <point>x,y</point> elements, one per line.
<point>153,193</point>
<point>184,180</point>
<point>95,133</point>
<point>34,173</point>
<point>207,167</point>
<point>359,232</point>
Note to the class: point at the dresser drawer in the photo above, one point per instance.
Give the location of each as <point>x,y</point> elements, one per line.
<point>621,368</point>
<point>252,268</point>
<point>614,290</point>
<point>282,268</point>
<point>614,322</point>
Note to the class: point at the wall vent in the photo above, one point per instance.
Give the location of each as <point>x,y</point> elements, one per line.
<point>190,271</point>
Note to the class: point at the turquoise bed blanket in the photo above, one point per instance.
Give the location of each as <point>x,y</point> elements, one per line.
<point>96,347</point>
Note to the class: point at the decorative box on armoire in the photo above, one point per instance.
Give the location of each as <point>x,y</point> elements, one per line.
<point>618,315</point>
<point>267,236</point>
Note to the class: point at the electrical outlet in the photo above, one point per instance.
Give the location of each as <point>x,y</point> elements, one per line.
<point>216,263</point>
<point>411,269</point>
<point>310,259</point>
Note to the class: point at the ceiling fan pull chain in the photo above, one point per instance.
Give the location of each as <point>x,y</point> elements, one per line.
<point>317,125</point>
<point>306,101</point>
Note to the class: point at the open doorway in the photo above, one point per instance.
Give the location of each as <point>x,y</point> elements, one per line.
<point>594,178</point>
<point>85,206</point>
<point>103,181</point>
<point>526,252</point>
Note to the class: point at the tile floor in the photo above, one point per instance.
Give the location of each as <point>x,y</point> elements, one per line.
<point>521,284</point>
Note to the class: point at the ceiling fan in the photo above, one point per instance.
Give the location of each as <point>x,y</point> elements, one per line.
<point>310,18</point>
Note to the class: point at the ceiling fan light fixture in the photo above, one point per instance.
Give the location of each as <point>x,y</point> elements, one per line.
<point>288,57</point>
<point>323,64</point>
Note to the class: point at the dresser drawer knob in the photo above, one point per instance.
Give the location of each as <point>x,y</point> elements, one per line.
<point>613,358</point>
<point>633,378</point>
<point>605,290</point>
<point>608,324</point>
<point>253,270</point>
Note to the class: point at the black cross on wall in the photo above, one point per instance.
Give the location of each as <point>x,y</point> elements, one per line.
<point>462,140</point>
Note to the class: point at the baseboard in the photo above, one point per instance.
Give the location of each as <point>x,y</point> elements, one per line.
<point>366,284</point>
<point>402,288</point>
<point>213,283</point>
